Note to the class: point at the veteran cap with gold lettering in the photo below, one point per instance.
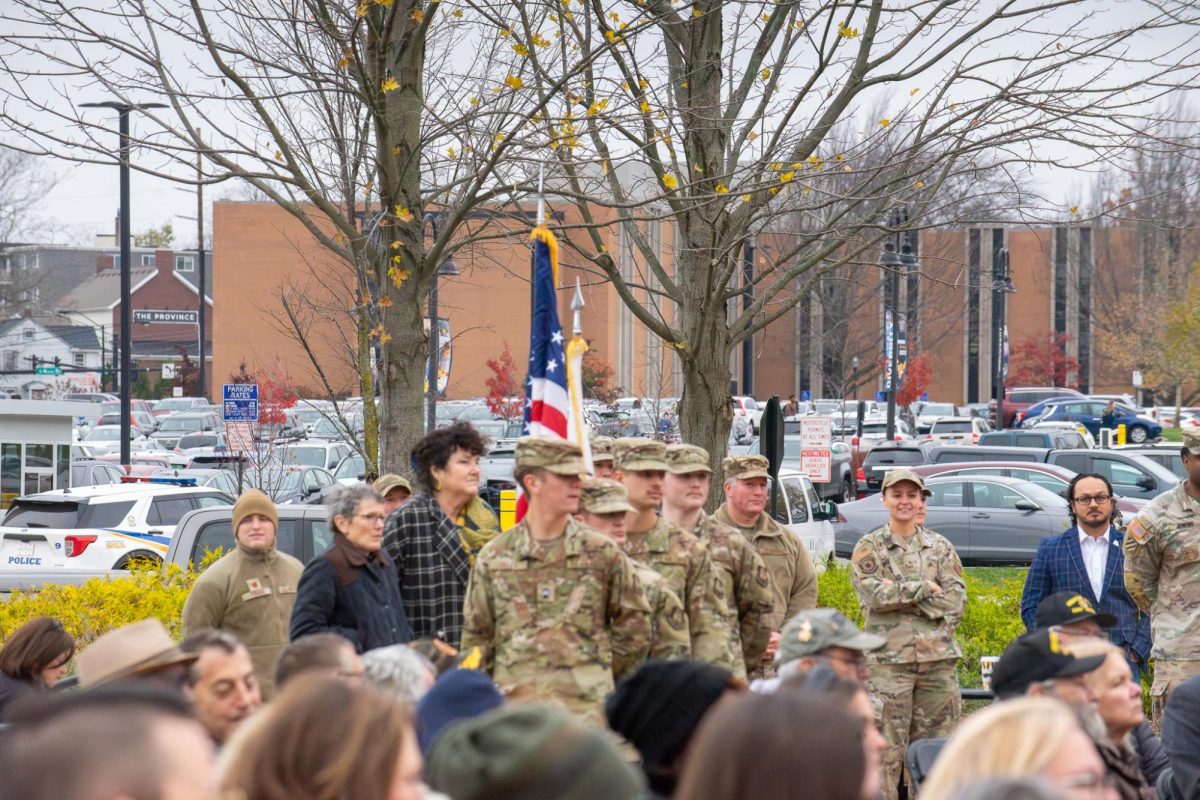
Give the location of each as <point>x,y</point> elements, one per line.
<point>745,467</point>
<point>684,459</point>
<point>639,455</point>
<point>602,448</point>
<point>554,455</point>
<point>817,629</point>
<point>604,496</point>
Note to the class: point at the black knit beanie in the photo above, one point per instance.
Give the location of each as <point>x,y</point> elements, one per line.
<point>658,708</point>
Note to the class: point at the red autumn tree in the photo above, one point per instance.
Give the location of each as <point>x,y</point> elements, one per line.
<point>597,378</point>
<point>276,393</point>
<point>918,373</point>
<point>1042,361</point>
<point>504,396</point>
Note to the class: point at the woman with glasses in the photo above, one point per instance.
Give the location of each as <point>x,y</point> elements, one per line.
<point>351,588</point>
<point>33,659</point>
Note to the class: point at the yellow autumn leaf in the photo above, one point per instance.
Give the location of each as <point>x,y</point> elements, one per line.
<point>385,302</point>
<point>766,17</point>
<point>360,10</point>
<point>683,85</point>
<point>596,107</point>
<point>798,25</point>
<point>786,177</point>
<point>643,84</point>
<point>450,152</point>
<point>645,106</point>
<point>520,49</point>
<point>722,188</point>
<point>765,73</point>
<point>403,214</point>
<point>752,135</point>
<point>670,181</point>
<point>914,92</point>
<point>278,156</point>
<point>514,82</point>
<point>1075,209</point>
<point>919,184</point>
<point>839,157</point>
<point>390,84</point>
<point>395,149</point>
<point>457,13</point>
<point>344,61</point>
<point>698,169</point>
<point>473,101</point>
<point>885,122</point>
<point>384,2</point>
<point>745,198</point>
<point>369,186</point>
<point>846,32</point>
<point>417,16</point>
<point>774,190</point>
<point>397,276</point>
<point>604,167</point>
<point>397,244</point>
<point>697,12</point>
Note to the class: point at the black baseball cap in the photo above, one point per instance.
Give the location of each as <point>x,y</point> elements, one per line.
<point>1063,608</point>
<point>1035,657</point>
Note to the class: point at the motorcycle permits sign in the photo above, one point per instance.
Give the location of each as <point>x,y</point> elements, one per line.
<point>816,443</point>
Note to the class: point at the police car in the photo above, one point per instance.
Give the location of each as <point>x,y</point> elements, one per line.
<point>98,528</point>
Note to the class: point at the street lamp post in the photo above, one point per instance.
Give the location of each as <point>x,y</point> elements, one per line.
<point>1002,286</point>
<point>446,269</point>
<point>891,265</point>
<point>123,110</point>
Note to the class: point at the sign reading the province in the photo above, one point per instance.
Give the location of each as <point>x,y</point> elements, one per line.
<point>146,316</point>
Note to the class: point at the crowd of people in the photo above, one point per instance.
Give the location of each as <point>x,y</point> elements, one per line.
<point>616,643</point>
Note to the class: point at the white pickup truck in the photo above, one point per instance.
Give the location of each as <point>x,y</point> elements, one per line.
<point>803,512</point>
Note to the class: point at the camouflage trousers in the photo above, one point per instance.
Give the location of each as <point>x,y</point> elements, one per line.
<point>912,701</point>
<point>1167,675</point>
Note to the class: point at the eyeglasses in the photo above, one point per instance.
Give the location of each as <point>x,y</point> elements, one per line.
<point>858,663</point>
<point>1088,499</point>
<point>1088,780</point>
<point>374,519</point>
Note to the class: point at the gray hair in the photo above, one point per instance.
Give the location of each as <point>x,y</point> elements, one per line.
<point>399,670</point>
<point>344,501</point>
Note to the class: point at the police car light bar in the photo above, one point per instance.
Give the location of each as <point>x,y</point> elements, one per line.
<point>167,481</point>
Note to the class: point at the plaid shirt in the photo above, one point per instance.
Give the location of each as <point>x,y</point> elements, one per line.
<point>432,566</point>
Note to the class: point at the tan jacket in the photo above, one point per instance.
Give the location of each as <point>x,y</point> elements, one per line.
<point>251,596</point>
<point>793,576</point>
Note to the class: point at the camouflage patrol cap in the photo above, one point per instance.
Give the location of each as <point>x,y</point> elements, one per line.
<point>1191,440</point>
<point>554,455</point>
<point>602,448</point>
<point>684,459</point>
<point>898,474</point>
<point>604,496</point>
<point>639,455</point>
<point>817,629</point>
<point>745,467</point>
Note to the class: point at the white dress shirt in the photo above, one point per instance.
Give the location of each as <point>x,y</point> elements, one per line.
<point>1094,550</point>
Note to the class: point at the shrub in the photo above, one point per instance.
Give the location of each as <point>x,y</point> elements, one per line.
<point>99,605</point>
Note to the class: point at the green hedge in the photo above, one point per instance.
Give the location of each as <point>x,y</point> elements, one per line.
<point>991,620</point>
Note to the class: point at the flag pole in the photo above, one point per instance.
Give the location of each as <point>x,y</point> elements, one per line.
<point>576,348</point>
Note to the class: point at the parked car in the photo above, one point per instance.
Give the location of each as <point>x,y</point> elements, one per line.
<point>97,528</point>
<point>958,430</point>
<point>107,439</point>
<point>173,428</point>
<point>1163,455</point>
<point>289,484</point>
<point>984,453</point>
<point>1017,400</point>
<point>351,470</point>
<point>885,456</point>
<point>1049,438</point>
<point>289,429</point>
<point>172,405</point>
<point>875,431</point>
<point>990,520</point>
<point>1084,433</point>
<point>749,408</point>
<point>925,414</point>
<point>95,473</point>
<point>801,511</point>
<point>1049,476</point>
<point>314,453</point>
<point>203,534</point>
<point>1088,413</point>
<point>1131,475</point>
<point>839,487</point>
<point>145,422</point>
<point>222,480</point>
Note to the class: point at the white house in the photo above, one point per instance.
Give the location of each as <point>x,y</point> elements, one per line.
<point>27,345</point>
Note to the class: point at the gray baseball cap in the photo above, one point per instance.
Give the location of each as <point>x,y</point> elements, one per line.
<point>817,629</point>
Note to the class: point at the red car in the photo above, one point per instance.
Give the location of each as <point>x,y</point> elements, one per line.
<point>1048,476</point>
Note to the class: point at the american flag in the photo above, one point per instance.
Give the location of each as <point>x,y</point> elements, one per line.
<point>547,401</point>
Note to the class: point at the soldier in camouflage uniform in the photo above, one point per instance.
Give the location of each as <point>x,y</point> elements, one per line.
<point>602,455</point>
<point>556,607</point>
<point>1162,574</point>
<point>742,580</point>
<point>793,576</point>
<point>909,583</point>
<point>603,507</point>
<point>678,556</point>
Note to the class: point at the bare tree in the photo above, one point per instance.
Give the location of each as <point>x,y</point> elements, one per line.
<point>725,120</point>
<point>361,119</point>
<point>24,182</point>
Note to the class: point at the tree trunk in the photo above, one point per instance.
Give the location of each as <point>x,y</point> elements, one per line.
<point>402,420</point>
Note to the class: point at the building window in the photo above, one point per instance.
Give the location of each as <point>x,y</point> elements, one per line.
<point>78,359</point>
<point>116,260</point>
<point>147,259</point>
<point>10,360</point>
<point>28,333</point>
<point>185,264</point>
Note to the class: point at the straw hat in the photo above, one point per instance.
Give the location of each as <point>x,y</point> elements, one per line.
<point>130,651</point>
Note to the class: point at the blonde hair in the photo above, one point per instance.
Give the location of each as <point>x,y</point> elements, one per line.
<point>1013,738</point>
<point>1095,646</point>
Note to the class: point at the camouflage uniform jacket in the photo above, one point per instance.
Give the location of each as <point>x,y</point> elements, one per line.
<point>564,629</point>
<point>743,582</point>
<point>890,576</point>
<point>669,638</point>
<point>684,563</point>
<point>1162,572</point>
<point>793,576</point>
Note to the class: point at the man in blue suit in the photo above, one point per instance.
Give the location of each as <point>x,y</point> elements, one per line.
<point>1086,559</point>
